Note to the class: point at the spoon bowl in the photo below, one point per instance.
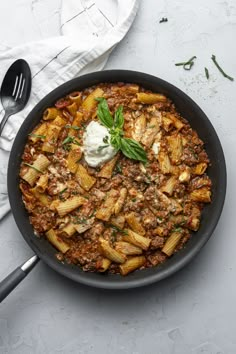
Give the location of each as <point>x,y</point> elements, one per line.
<point>15,89</point>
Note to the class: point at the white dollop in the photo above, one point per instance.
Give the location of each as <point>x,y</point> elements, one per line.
<point>94,153</point>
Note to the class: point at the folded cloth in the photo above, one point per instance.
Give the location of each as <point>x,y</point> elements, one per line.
<point>90,29</point>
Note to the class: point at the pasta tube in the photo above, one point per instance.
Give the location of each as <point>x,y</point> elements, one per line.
<point>42,183</point>
<point>57,241</point>
<point>175,147</point>
<point>150,98</point>
<point>103,264</point>
<point>135,224</point>
<point>42,197</point>
<point>120,202</point>
<point>73,157</point>
<point>72,108</point>
<point>39,133</point>
<point>202,195</point>
<point>171,243</point>
<point>76,97</point>
<point>50,113</point>
<point>107,169</point>
<point>132,264</point>
<point>136,239</point>
<point>68,230</point>
<point>76,123</point>
<point>89,103</point>
<point>139,128</point>
<point>164,162</point>
<point>128,249</point>
<point>150,132</point>
<point>34,171</point>
<point>110,252</point>
<point>169,186</point>
<point>70,204</point>
<point>200,168</point>
<point>85,180</point>
<point>106,209</point>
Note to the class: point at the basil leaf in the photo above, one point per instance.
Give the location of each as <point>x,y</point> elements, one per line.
<point>132,149</point>
<point>115,141</point>
<point>103,113</point>
<point>119,118</point>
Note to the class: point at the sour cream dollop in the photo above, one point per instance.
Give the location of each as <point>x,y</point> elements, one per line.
<point>95,150</point>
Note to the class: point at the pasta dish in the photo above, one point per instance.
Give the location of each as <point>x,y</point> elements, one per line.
<point>114,178</point>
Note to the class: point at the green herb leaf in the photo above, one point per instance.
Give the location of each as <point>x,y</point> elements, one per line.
<point>68,140</point>
<point>130,148</point>
<point>33,167</point>
<point>118,168</point>
<point>119,118</point>
<point>63,190</point>
<point>37,136</point>
<point>75,127</point>
<point>207,73</point>
<point>103,113</point>
<point>102,147</point>
<point>61,193</point>
<point>213,57</point>
<point>178,229</point>
<point>78,220</point>
<point>133,150</point>
<point>118,229</point>
<point>187,65</point>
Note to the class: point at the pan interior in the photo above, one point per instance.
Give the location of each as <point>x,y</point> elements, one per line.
<point>211,213</point>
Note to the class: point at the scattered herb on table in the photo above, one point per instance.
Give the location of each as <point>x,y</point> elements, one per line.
<point>129,147</point>
<point>33,167</point>
<point>213,58</point>
<point>164,19</point>
<point>187,65</point>
<point>207,73</point>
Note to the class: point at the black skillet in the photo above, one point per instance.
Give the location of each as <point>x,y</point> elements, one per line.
<point>210,216</point>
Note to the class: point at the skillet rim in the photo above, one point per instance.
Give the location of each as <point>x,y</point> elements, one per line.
<point>115,281</point>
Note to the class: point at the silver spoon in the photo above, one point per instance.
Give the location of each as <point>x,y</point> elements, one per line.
<point>15,89</point>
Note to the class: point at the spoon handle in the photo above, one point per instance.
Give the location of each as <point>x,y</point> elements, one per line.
<point>3,122</point>
<point>14,278</point>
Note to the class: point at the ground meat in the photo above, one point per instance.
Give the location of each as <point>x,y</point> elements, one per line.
<point>156,258</point>
<point>157,242</point>
<point>99,207</point>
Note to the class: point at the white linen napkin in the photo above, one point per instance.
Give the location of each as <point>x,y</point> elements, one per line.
<point>90,29</point>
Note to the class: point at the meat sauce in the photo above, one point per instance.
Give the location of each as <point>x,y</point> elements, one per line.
<point>163,197</point>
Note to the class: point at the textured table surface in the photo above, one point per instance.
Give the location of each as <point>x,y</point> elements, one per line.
<point>194,310</point>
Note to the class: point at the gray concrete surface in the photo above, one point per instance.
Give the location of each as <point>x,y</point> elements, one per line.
<point>194,310</point>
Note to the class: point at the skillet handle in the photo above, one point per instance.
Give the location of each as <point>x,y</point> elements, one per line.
<point>14,278</point>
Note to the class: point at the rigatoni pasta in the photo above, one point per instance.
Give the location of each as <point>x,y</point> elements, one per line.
<point>123,214</point>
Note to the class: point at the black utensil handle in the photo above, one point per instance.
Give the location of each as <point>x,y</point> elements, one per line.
<point>3,122</point>
<point>14,278</point>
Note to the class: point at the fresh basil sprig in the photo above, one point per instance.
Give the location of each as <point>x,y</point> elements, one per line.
<point>129,147</point>
<point>103,113</point>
